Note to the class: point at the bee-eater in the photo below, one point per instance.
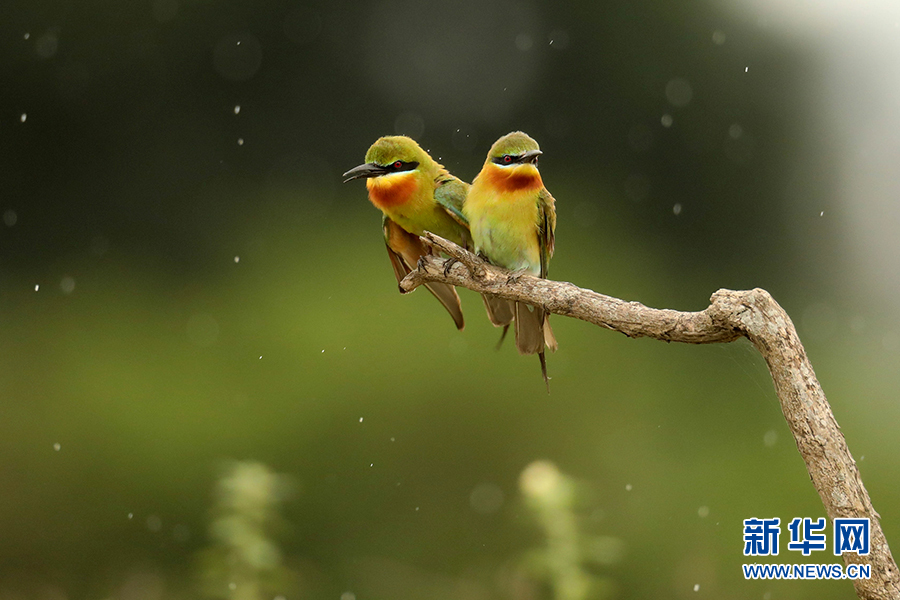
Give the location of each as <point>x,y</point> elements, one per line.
<point>415,194</point>
<point>512,218</point>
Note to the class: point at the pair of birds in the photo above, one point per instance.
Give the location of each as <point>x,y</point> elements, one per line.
<point>506,216</point>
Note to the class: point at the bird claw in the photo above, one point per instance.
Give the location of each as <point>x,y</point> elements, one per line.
<point>421,264</point>
<point>514,277</point>
<point>448,264</point>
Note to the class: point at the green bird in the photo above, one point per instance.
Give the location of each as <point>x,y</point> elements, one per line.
<point>512,219</point>
<point>415,194</point>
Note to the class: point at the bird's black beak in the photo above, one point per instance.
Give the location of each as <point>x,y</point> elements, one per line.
<point>530,157</point>
<point>367,170</point>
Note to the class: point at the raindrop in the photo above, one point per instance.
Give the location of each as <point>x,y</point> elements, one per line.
<point>746,69</point>
<point>348,596</point>
<point>235,60</point>
<point>676,210</point>
<point>57,446</point>
<point>718,37</point>
<point>679,92</point>
<point>47,45</point>
<point>735,131</point>
<point>232,585</point>
<point>524,42</point>
<point>27,35</point>
<point>10,217</point>
<point>465,139</point>
<point>770,438</point>
<point>696,587</point>
<point>237,259</point>
<point>37,286</point>
<point>703,512</point>
<point>361,419</point>
<point>154,523</point>
<point>23,117</point>
<point>559,39</point>
<point>666,120</point>
<point>393,439</point>
<point>130,515</point>
<point>486,498</point>
<point>67,284</point>
<point>628,487</point>
<point>822,214</point>
<point>240,141</point>
<point>237,109</point>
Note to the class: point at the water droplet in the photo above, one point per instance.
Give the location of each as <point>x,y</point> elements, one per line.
<point>10,217</point>
<point>696,587</point>
<point>666,120</point>
<point>676,210</point>
<point>237,109</point>
<point>361,419</point>
<point>703,512</point>
<point>770,438</point>
<point>232,585</point>
<point>628,487</point>
<point>57,446</point>
<point>37,287</point>
<point>27,35</point>
<point>154,523</point>
<point>718,37</point>
<point>237,259</point>
<point>23,117</point>
<point>524,42</point>
<point>822,214</point>
<point>348,596</point>
<point>67,284</point>
<point>679,92</point>
<point>746,69</point>
<point>130,515</point>
<point>240,141</point>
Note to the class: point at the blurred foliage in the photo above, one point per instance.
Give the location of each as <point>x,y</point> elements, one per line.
<point>185,281</point>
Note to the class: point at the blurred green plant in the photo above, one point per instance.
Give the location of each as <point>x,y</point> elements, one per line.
<point>243,561</point>
<point>567,560</point>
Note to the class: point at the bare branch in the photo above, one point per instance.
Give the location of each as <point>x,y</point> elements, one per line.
<point>753,314</point>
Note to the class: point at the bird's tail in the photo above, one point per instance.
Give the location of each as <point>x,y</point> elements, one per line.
<point>533,333</point>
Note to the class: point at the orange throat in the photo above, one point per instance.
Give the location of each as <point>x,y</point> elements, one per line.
<point>389,192</point>
<point>515,179</point>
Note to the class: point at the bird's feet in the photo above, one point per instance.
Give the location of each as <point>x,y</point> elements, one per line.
<point>420,264</point>
<point>515,276</point>
<point>448,264</point>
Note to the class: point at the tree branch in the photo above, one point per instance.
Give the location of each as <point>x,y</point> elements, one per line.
<point>753,314</point>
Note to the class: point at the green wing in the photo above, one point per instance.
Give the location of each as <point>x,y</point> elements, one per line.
<point>546,228</point>
<point>450,193</point>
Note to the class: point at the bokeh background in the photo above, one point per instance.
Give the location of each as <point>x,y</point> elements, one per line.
<point>210,387</point>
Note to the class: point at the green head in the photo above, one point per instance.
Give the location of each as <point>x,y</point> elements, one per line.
<point>391,154</point>
<point>514,148</point>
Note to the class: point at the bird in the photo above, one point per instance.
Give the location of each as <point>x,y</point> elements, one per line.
<point>512,220</point>
<point>415,194</point>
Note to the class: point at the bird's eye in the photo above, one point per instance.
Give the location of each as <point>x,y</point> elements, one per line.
<point>507,159</point>
<point>398,164</point>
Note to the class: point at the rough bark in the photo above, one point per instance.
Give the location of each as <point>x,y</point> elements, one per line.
<point>753,314</point>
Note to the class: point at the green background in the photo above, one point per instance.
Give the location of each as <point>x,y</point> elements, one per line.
<point>152,357</point>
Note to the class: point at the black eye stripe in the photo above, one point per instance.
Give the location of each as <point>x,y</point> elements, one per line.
<point>398,165</point>
<point>507,159</point>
